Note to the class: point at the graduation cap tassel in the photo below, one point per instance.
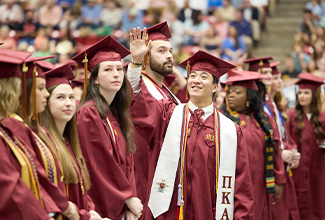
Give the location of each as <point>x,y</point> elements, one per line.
<point>34,114</point>
<point>85,62</point>
<point>188,68</point>
<point>24,98</point>
<point>145,58</point>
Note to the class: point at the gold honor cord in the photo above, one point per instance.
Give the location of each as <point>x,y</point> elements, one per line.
<point>28,170</point>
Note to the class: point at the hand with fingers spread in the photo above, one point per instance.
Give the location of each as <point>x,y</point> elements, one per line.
<point>138,45</point>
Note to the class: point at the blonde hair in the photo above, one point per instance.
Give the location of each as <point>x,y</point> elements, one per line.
<point>10,90</point>
<point>67,162</point>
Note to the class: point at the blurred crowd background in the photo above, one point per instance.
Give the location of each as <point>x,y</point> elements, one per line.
<point>230,29</point>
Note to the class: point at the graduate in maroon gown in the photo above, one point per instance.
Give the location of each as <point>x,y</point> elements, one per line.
<point>306,125</point>
<point>244,107</point>
<point>286,208</point>
<point>190,180</point>
<point>45,150</point>
<point>106,131</point>
<point>59,119</point>
<point>157,62</point>
<point>22,196</point>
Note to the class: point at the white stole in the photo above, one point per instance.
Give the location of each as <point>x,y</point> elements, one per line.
<point>164,179</point>
<point>155,92</point>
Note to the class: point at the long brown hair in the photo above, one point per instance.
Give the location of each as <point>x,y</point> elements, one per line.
<point>65,158</point>
<point>120,106</point>
<point>317,125</point>
<point>278,101</point>
<point>10,89</point>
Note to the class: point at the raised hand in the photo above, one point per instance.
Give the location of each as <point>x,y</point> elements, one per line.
<point>138,45</point>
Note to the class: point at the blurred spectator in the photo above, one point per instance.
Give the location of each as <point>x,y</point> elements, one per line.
<point>236,3</point>
<point>322,5</point>
<point>28,28</point>
<point>72,17</point>
<point>8,42</point>
<point>111,14</point>
<point>185,13</point>
<point>91,14</point>
<point>262,6</point>
<point>176,28</point>
<point>131,18</point>
<point>65,4</point>
<point>311,68</point>
<point>65,47</point>
<point>320,35</point>
<point>195,28</point>
<point>211,42</point>
<point>50,15</point>
<point>244,29</point>
<point>233,47</point>
<point>250,14</point>
<point>227,12</point>
<point>220,25</point>
<point>301,59</point>
<point>320,62</point>
<point>142,5</point>
<point>10,14</point>
<point>307,48</point>
<point>315,9</point>
<point>290,71</point>
<point>44,49</point>
<point>318,46</point>
<point>307,25</point>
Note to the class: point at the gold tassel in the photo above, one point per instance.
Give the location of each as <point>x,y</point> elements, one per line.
<point>24,98</point>
<point>145,58</point>
<point>34,114</point>
<point>188,68</point>
<point>261,65</point>
<point>85,62</point>
<point>181,217</point>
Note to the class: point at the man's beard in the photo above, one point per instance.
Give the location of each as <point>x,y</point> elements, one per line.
<point>160,68</point>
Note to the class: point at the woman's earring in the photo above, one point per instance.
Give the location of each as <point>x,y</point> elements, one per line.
<point>247,104</point>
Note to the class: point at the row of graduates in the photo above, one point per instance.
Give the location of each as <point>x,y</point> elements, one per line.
<point>189,176</point>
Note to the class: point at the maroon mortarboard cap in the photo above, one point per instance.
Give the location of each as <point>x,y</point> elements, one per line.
<point>309,81</point>
<point>159,32</point>
<point>77,83</point>
<point>32,64</point>
<point>275,70</point>
<point>10,62</point>
<point>45,65</point>
<point>246,79</point>
<point>203,61</point>
<point>60,75</point>
<point>107,49</point>
<point>257,63</point>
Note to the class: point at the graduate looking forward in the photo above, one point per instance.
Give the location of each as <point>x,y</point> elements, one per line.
<point>191,180</point>
<point>106,131</point>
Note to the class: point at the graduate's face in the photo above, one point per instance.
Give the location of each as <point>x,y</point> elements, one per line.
<point>277,83</point>
<point>62,103</point>
<point>200,87</point>
<point>305,97</point>
<point>266,71</point>
<point>237,98</point>
<point>41,95</point>
<point>110,76</point>
<point>161,57</point>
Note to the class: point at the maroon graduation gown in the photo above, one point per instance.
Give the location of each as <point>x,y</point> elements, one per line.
<point>25,136</point>
<point>256,153</point>
<point>200,176</point>
<point>147,139</point>
<point>17,200</point>
<point>83,201</point>
<point>309,177</point>
<point>110,166</point>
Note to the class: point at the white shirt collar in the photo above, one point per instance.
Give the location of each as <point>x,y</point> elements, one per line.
<point>208,110</point>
